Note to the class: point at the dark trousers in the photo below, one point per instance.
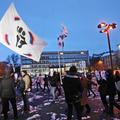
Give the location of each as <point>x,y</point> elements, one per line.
<point>58,88</point>
<point>46,85</point>
<point>118,92</point>
<point>25,101</point>
<point>104,101</point>
<point>113,103</point>
<point>88,109</point>
<point>78,109</point>
<point>109,106</point>
<point>38,85</point>
<point>5,105</point>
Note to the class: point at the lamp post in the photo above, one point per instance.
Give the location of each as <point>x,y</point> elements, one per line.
<point>118,47</point>
<point>105,28</point>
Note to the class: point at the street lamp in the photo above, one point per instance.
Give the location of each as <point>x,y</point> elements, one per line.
<point>118,47</point>
<point>61,53</point>
<point>105,28</point>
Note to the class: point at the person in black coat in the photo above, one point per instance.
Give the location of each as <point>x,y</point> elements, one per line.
<point>73,91</point>
<point>117,80</point>
<point>111,91</point>
<point>8,93</point>
<point>46,82</point>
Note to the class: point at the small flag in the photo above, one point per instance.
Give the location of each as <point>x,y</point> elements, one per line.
<point>62,36</point>
<point>15,35</point>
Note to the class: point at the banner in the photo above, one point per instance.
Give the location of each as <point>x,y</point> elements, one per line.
<point>62,36</point>
<point>15,35</point>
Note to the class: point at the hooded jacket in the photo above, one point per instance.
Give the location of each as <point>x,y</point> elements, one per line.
<point>72,87</point>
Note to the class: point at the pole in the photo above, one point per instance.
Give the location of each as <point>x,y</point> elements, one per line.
<point>59,66</point>
<point>63,57</point>
<point>110,51</point>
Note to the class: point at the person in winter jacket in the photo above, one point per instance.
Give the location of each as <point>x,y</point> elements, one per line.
<point>73,92</point>
<point>8,92</point>
<point>26,80</point>
<point>111,91</point>
<point>117,80</point>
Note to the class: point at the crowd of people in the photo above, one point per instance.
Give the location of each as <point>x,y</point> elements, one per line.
<point>76,87</point>
<point>12,86</point>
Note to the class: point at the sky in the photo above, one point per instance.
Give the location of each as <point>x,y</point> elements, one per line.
<point>81,17</point>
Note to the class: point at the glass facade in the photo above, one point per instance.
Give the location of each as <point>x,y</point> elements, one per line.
<point>57,61</point>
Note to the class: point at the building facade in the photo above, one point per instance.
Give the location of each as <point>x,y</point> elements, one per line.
<point>115,60</point>
<point>54,61</point>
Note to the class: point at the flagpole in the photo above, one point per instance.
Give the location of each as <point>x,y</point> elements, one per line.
<point>59,63</point>
<point>61,37</point>
<point>63,54</point>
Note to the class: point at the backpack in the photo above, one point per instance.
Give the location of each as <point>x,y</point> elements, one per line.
<point>20,88</point>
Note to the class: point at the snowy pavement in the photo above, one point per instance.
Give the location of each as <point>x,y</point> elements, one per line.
<point>43,108</point>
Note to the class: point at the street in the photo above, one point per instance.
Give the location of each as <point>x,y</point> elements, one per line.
<point>42,108</point>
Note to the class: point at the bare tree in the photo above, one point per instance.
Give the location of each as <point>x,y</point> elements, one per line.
<point>8,59</point>
<point>13,59</point>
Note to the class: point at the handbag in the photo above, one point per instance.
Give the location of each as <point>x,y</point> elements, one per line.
<point>20,88</point>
